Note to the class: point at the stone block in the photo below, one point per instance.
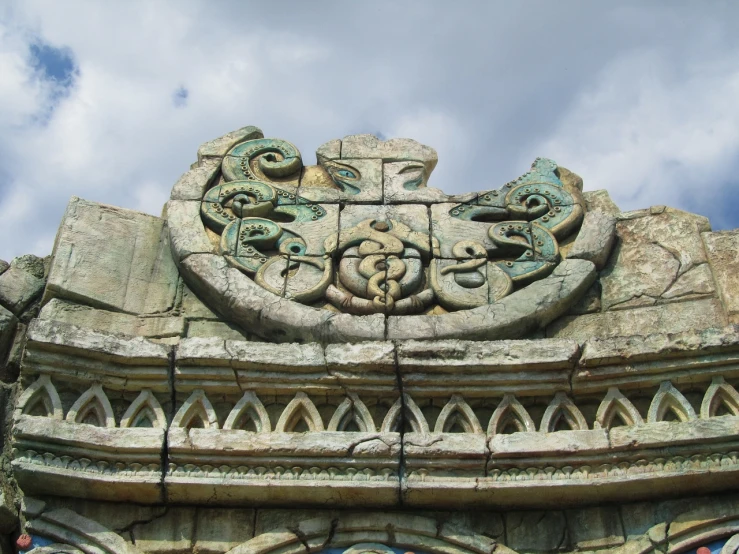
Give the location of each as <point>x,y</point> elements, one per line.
<point>171,533</point>
<point>112,322</point>
<point>280,519</point>
<point>695,282</point>
<point>221,529</point>
<point>652,253</point>
<point>116,516</point>
<point>61,337</point>
<point>599,351</point>
<point>702,515</point>
<point>667,318</point>
<point>219,329</point>
<point>363,356</point>
<point>405,183</point>
<point>600,200</point>
<point>18,288</point>
<point>330,150</point>
<point>365,187</point>
<point>723,256</point>
<point>65,526</point>
<point>548,444</point>
<point>8,513</point>
<point>112,258</point>
<point>186,232</point>
<point>595,528</point>
<point>515,316</point>
<point>217,148</point>
<point>536,531</point>
<point>8,323</point>
<point>589,303</point>
<point>31,264</point>
<point>196,182</point>
<point>3,266</point>
<point>595,239</point>
<point>393,150</point>
<point>194,308</point>
<point>488,524</point>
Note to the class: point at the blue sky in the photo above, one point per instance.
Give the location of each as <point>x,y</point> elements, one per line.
<point>110,100</point>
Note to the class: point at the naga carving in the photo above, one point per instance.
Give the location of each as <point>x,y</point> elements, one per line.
<point>361,233</point>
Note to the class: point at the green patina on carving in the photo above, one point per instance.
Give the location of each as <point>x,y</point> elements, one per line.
<point>504,238</point>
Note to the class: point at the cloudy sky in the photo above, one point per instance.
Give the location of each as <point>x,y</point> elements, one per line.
<point>109,100</point>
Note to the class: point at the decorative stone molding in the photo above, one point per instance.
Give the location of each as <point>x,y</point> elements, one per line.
<point>347,337</point>
<point>145,408</point>
<point>41,398</point>
<point>92,407</point>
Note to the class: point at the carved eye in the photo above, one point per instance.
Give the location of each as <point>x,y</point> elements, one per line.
<point>346,173</point>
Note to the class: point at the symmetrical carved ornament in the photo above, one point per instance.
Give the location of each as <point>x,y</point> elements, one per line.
<point>393,260</point>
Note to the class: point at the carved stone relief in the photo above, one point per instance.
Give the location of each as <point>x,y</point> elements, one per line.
<point>326,236</point>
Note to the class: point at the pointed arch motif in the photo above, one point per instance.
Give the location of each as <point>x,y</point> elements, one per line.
<point>720,393</point>
<point>561,407</point>
<point>352,410</point>
<point>197,408</point>
<point>415,417</point>
<point>667,399</point>
<point>92,406</point>
<point>300,408</point>
<point>144,407</point>
<point>510,412</point>
<point>457,411</point>
<point>616,405</point>
<point>41,394</point>
<point>249,408</point>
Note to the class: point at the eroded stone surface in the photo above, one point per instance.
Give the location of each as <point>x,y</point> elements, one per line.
<point>8,323</point>
<point>219,147</point>
<point>112,322</point>
<point>112,258</point>
<point>19,286</point>
<point>652,253</point>
<point>595,239</point>
<point>600,200</point>
<point>514,316</point>
<point>723,256</point>
<point>669,318</point>
<point>193,184</point>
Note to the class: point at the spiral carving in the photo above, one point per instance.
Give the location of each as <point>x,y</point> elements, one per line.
<point>479,251</point>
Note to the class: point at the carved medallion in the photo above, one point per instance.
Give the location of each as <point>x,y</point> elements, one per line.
<point>360,232</point>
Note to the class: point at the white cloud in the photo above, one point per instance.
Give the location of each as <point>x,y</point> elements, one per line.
<point>660,116</point>
<point>651,134</point>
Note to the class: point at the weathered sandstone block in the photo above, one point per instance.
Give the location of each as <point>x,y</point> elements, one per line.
<point>723,257</point>
<point>112,258</point>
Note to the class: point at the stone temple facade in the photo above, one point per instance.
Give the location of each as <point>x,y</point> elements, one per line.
<point>336,358</point>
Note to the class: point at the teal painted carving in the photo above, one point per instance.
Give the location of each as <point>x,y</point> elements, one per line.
<point>477,253</point>
<point>272,158</point>
<point>525,219</point>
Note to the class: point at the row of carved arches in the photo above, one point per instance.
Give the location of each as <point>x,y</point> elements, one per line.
<point>301,415</point>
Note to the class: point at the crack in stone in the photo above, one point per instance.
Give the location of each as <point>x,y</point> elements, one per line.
<point>402,424</point>
<point>130,527</point>
<point>353,445</point>
<point>301,537</point>
<point>331,533</point>
<point>235,372</point>
<point>171,356</point>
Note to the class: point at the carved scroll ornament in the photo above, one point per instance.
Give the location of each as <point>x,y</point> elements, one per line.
<point>287,227</point>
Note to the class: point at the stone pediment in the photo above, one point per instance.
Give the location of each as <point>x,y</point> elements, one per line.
<point>343,335</point>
